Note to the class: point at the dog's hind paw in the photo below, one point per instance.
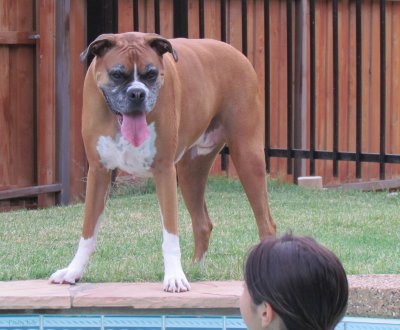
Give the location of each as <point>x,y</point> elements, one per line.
<point>65,276</point>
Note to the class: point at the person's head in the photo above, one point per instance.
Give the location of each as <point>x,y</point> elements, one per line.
<point>293,283</point>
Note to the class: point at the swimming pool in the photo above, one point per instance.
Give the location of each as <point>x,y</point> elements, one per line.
<point>160,322</point>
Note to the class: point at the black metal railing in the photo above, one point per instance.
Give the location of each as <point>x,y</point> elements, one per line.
<point>335,155</point>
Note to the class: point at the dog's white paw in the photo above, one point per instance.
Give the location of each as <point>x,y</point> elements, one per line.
<point>73,273</point>
<point>174,277</point>
<point>176,282</point>
<point>66,276</point>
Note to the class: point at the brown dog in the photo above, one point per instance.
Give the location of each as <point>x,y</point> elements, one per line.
<point>150,114</point>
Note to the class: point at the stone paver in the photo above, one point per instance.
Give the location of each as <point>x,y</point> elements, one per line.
<point>370,295</point>
<point>33,294</point>
<point>151,296</point>
<point>374,295</point>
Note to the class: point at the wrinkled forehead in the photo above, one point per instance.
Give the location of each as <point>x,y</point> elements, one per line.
<point>131,55</point>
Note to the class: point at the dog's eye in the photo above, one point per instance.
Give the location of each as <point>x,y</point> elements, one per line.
<point>150,75</point>
<point>117,75</point>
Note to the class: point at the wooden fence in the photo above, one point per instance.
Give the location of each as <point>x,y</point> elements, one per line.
<point>17,114</point>
<point>42,161</point>
<point>41,153</point>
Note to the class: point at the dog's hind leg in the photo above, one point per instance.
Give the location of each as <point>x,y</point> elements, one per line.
<point>245,140</point>
<point>248,158</point>
<point>193,171</point>
<point>96,195</point>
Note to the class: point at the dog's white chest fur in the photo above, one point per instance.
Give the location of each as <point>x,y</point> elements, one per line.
<point>120,153</point>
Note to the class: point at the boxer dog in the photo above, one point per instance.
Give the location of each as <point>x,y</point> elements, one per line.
<point>153,115</point>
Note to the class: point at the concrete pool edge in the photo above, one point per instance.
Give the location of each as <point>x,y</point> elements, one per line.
<point>370,296</point>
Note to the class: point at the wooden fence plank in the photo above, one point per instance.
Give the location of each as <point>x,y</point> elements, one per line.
<point>22,115</point>
<point>142,16</point>
<point>328,107</point>
<point>46,99</point>
<point>166,18</point>
<point>322,48</point>
<point>389,73</point>
<point>5,143</point>
<point>22,99</point>
<point>212,18</point>
<point>394,86</point>
<point>62,92</point>
<point>366,81</point>
<point>234,24</point>
<point>352,88</point>
<point>395,82</point>
<point>256,39</point>
<point>281,80</point>
<point>275,93</point>
<point>146,16</point>
<point>4,15</point>
<point>78,163</point>
<point>344,25</point>
<point>193,19</point>
<point>373,114</point>
<point>125,16</point>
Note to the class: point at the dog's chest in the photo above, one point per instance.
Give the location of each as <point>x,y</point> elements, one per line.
<point>119,153</point>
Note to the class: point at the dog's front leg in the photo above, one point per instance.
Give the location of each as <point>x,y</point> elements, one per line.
<point>96,195</point>
<point>174,277</point>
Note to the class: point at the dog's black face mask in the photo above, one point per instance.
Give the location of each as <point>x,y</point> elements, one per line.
<point>132,91</point>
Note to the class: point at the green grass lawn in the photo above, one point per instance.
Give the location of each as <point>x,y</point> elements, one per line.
<point>363,229</point>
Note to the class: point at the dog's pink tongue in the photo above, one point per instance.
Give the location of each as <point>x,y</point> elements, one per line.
<point>134,128</point>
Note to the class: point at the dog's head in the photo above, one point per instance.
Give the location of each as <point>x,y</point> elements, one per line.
<point>129,71</point>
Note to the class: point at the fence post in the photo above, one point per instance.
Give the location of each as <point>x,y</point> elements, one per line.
<point>267,84</point>
<point>63,97</point>
<point>289,84</point>
<point>312,70</point>
<point>301,69</point>
<point>382,144</point>
<point>359,89</point>
<point>46,117</point>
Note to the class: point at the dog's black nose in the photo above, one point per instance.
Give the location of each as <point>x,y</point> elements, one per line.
<point>136,95</point>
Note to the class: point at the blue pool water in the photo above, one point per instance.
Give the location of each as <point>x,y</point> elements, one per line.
<point>134,322</point>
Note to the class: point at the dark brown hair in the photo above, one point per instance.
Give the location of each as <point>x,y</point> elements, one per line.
<point>303,281</point>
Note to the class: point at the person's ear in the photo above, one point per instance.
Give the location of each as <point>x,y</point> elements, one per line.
<point>267,315</point>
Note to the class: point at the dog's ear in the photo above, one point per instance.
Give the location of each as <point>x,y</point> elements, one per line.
<point>162,46</point>
<point>99,46</point>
